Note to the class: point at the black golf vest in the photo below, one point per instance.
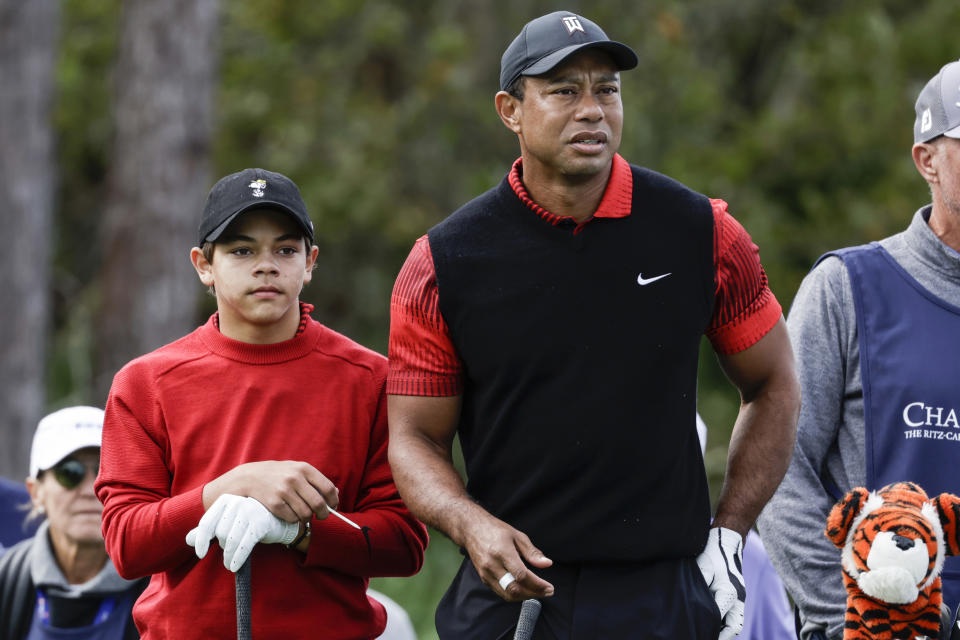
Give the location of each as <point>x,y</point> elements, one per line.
<point>580,354</point>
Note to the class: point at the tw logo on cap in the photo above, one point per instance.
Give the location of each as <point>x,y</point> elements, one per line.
<point>926,121</point>
<point>572,23</point>
<point>258,186</point>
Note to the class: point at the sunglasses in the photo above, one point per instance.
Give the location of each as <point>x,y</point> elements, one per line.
<point>71,472</point>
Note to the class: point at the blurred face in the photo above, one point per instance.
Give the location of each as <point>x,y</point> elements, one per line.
<point>570,120</point>
<point>259,266</point>
<point>73,511</point>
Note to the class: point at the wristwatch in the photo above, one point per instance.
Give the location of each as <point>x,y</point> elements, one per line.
<point>304,533</point>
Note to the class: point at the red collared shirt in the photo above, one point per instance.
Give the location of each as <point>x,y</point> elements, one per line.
<point>424,362</point>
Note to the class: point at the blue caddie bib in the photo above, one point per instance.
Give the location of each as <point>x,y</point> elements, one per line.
<point>910,366</point>
<point>110,622</point>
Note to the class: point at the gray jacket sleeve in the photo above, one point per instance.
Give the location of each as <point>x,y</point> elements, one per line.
<point>822,330</point>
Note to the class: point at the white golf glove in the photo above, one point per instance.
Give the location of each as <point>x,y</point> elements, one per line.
<point>239,524</point>
<point>721,564</point>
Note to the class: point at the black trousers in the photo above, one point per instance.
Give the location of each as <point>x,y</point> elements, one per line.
<point>660,600</point>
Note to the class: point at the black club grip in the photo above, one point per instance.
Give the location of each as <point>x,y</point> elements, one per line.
<point>243,601</point>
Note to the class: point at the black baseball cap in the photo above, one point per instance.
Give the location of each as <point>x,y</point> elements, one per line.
<point>547,41</point>
<point>251,189</point>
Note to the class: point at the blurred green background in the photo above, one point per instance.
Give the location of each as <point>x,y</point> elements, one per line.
<point>799,114</point>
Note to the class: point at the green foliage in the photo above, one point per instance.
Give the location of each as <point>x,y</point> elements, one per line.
<point>799,114</point>
<point>419,595</point>
<point>82,121</point>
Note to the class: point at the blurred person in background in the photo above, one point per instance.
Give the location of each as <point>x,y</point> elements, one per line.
<point>14,504</point>
<point>60,583</point>
<point>876,331</point>
<point>399,625</point>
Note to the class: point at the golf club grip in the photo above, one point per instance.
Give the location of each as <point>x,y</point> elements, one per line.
<point>529,612</point>
<point>243,601</point>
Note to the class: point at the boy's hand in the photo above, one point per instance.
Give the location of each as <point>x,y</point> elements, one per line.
<point>289,489</point>
<point>238,524</point>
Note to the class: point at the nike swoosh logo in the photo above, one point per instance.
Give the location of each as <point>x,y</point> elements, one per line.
<point>645,281</point>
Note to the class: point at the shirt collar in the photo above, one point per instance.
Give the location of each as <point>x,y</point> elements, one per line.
<point>927,244</point>
<point>616,202</point>
<point>305,309</point>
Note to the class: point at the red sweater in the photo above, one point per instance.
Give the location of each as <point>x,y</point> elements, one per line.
<point>188,412</point>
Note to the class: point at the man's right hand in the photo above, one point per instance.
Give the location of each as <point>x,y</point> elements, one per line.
<point>497,549</point>
<point>422,430</point>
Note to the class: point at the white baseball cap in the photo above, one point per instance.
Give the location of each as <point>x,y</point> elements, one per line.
<point>63,432</point>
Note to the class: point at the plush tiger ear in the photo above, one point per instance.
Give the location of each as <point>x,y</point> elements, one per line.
<point>948,508</point>
<point>843,514</point>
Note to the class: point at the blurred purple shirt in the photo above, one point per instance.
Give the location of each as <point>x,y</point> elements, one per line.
<point>767,612</point>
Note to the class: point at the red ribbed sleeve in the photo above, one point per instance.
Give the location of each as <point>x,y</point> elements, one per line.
<point>745,308</point>
<point>423,360</point>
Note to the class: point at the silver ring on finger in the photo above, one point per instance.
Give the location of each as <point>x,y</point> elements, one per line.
<point>506,580</point>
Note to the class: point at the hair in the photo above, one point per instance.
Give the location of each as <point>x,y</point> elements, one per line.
<point>937,144</point>
<point>33,511</point>
<point>944,139</point>
<point>516,87</point>
<point>207,251</point>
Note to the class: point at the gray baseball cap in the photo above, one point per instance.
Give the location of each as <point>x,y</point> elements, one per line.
<point>938,107</point>
<point>545,42</point>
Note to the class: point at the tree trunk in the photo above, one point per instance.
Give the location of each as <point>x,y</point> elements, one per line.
<point>158,180</point>
<point>28,40</point>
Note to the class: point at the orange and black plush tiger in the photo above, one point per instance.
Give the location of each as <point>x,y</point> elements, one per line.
<point>893,542</point>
